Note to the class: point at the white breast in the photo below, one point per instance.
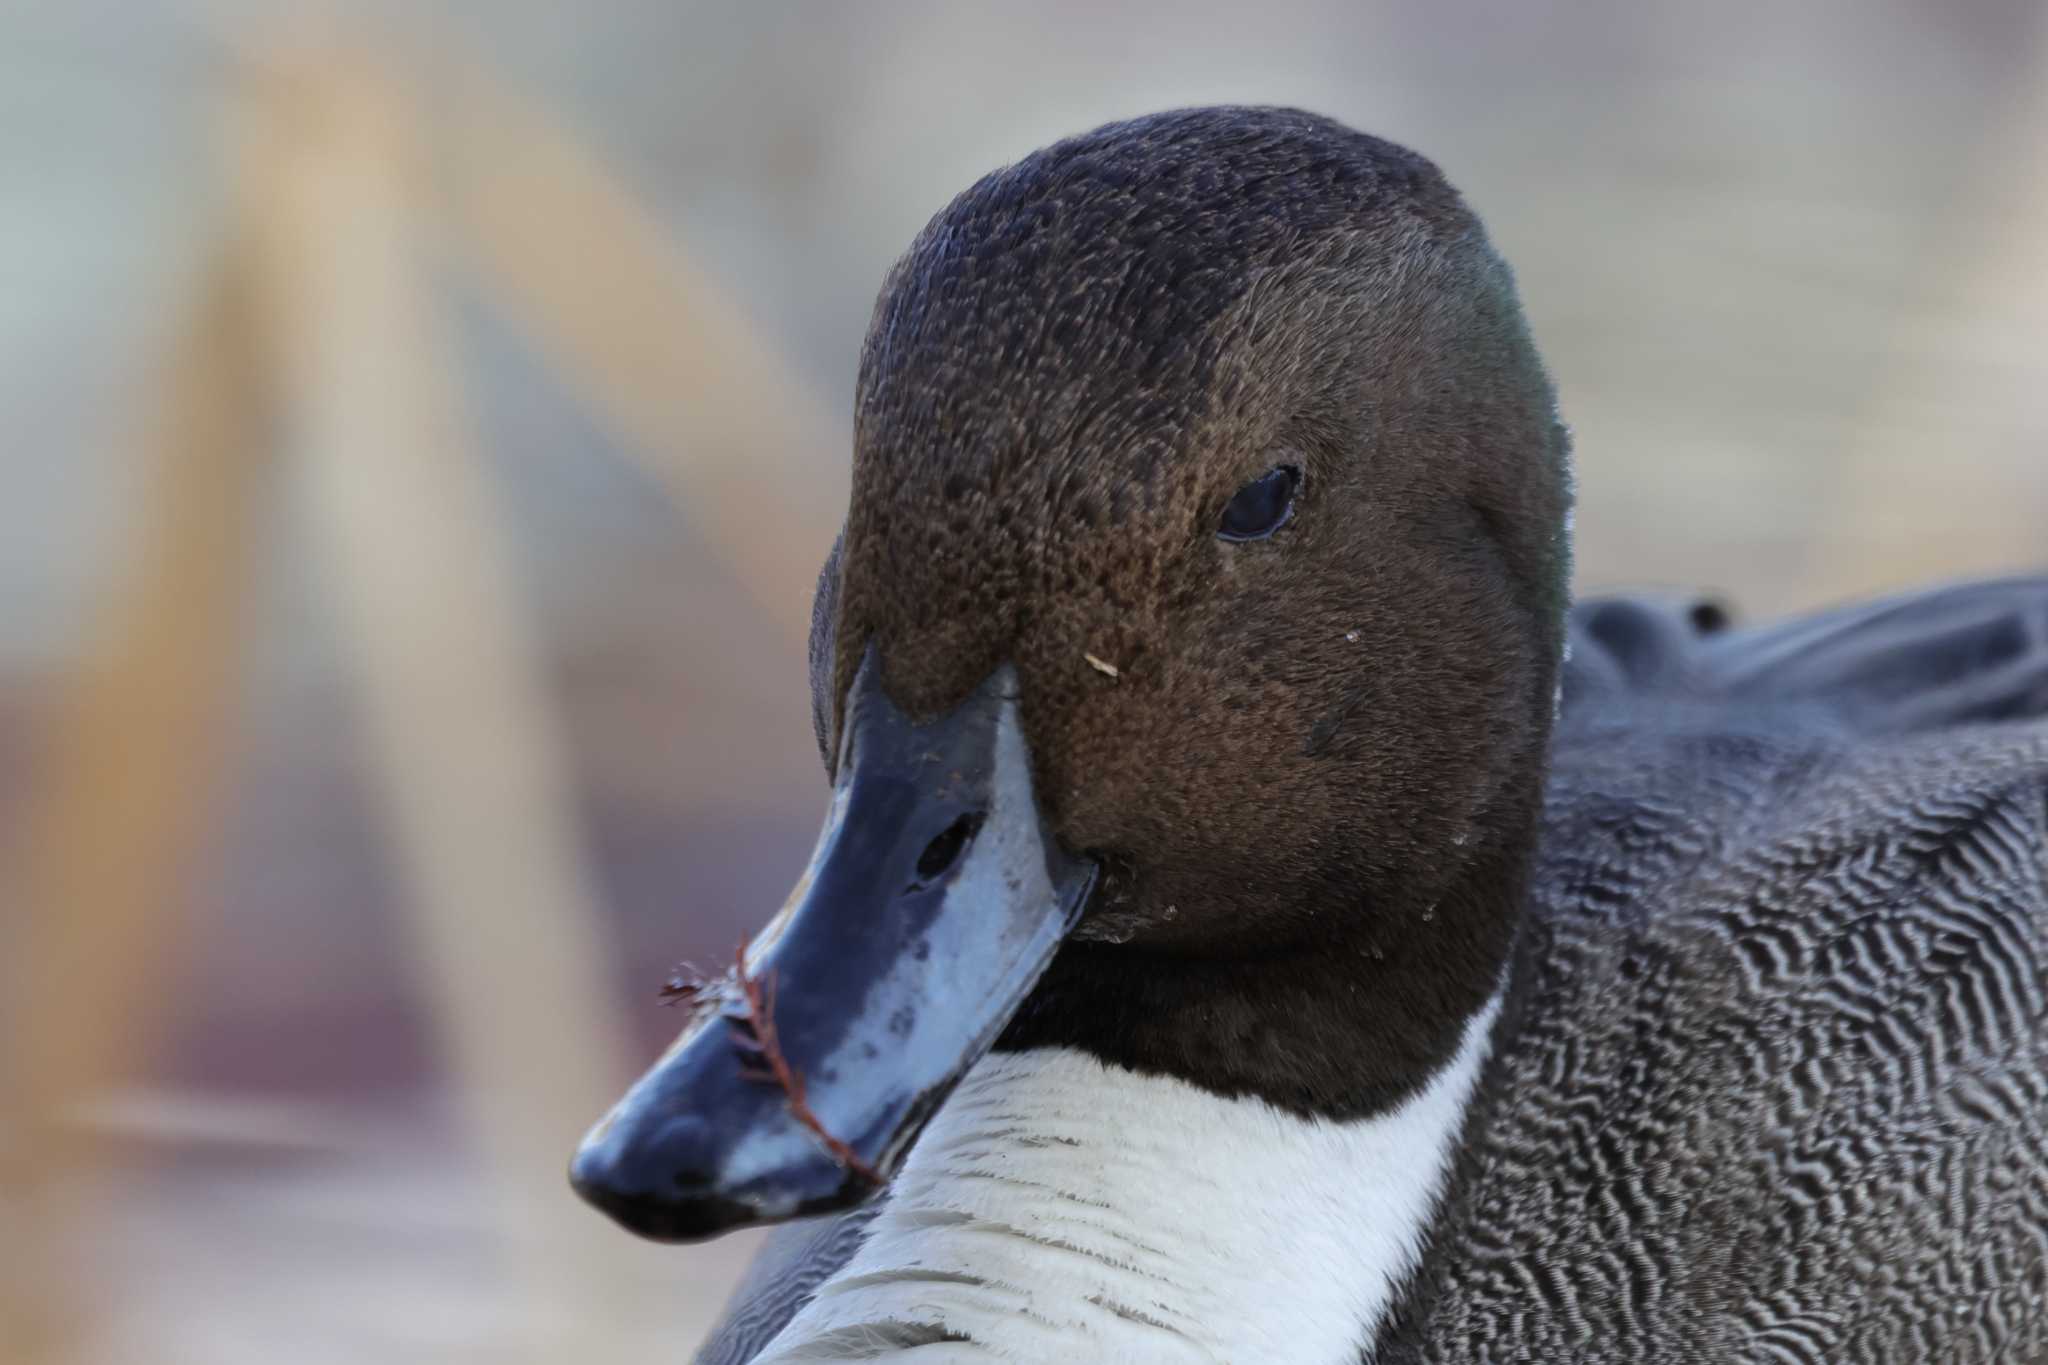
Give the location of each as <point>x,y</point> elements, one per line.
<point>1058,1209</point>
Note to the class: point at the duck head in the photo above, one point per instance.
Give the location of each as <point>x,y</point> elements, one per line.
<point>1184,671</point>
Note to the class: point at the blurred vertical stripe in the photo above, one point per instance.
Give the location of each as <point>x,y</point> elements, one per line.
<point>131,780</point>
<point>462,737</point>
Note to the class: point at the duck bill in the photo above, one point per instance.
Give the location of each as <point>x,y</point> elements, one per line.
<point>932,904</point>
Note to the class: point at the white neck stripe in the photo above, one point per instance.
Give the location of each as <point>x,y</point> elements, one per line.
<point>1061,1209</point>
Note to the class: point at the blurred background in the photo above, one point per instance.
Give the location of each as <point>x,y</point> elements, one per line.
<point>422,426</point>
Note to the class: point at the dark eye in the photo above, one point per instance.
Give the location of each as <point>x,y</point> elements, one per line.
<point>1262,506</point>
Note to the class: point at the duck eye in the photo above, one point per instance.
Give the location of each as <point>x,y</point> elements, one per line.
<point>1262,506</point>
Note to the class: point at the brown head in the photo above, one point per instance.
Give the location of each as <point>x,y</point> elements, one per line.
<point>1212,449</point>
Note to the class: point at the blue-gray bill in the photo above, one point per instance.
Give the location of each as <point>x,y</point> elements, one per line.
<point>931,906</point>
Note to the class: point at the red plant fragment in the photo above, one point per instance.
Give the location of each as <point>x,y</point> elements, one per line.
<point>761,1059</point>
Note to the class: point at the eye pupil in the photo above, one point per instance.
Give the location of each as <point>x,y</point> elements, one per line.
<point>1262,506</point>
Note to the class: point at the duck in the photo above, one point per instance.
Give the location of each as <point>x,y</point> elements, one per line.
<point>1260,916</point>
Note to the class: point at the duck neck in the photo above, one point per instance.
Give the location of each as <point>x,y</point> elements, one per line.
<point>1177,1158</point>
<point>1346,1024</point>
<point>1058,1208</point>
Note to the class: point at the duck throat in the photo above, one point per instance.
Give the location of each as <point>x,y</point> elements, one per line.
<point>1059,1208</point>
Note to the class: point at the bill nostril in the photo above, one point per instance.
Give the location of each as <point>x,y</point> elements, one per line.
<point>1708,617</point>
<point>946,847</point>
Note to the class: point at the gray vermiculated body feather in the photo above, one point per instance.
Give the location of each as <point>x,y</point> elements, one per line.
<point>1779,1088</point>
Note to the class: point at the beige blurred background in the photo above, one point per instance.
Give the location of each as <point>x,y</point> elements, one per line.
<point>422,427</point>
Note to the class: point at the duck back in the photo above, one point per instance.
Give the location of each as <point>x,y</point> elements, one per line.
<point>1776,1087</point>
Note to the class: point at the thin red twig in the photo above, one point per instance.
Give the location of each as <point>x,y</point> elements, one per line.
<point>762,1060</point>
